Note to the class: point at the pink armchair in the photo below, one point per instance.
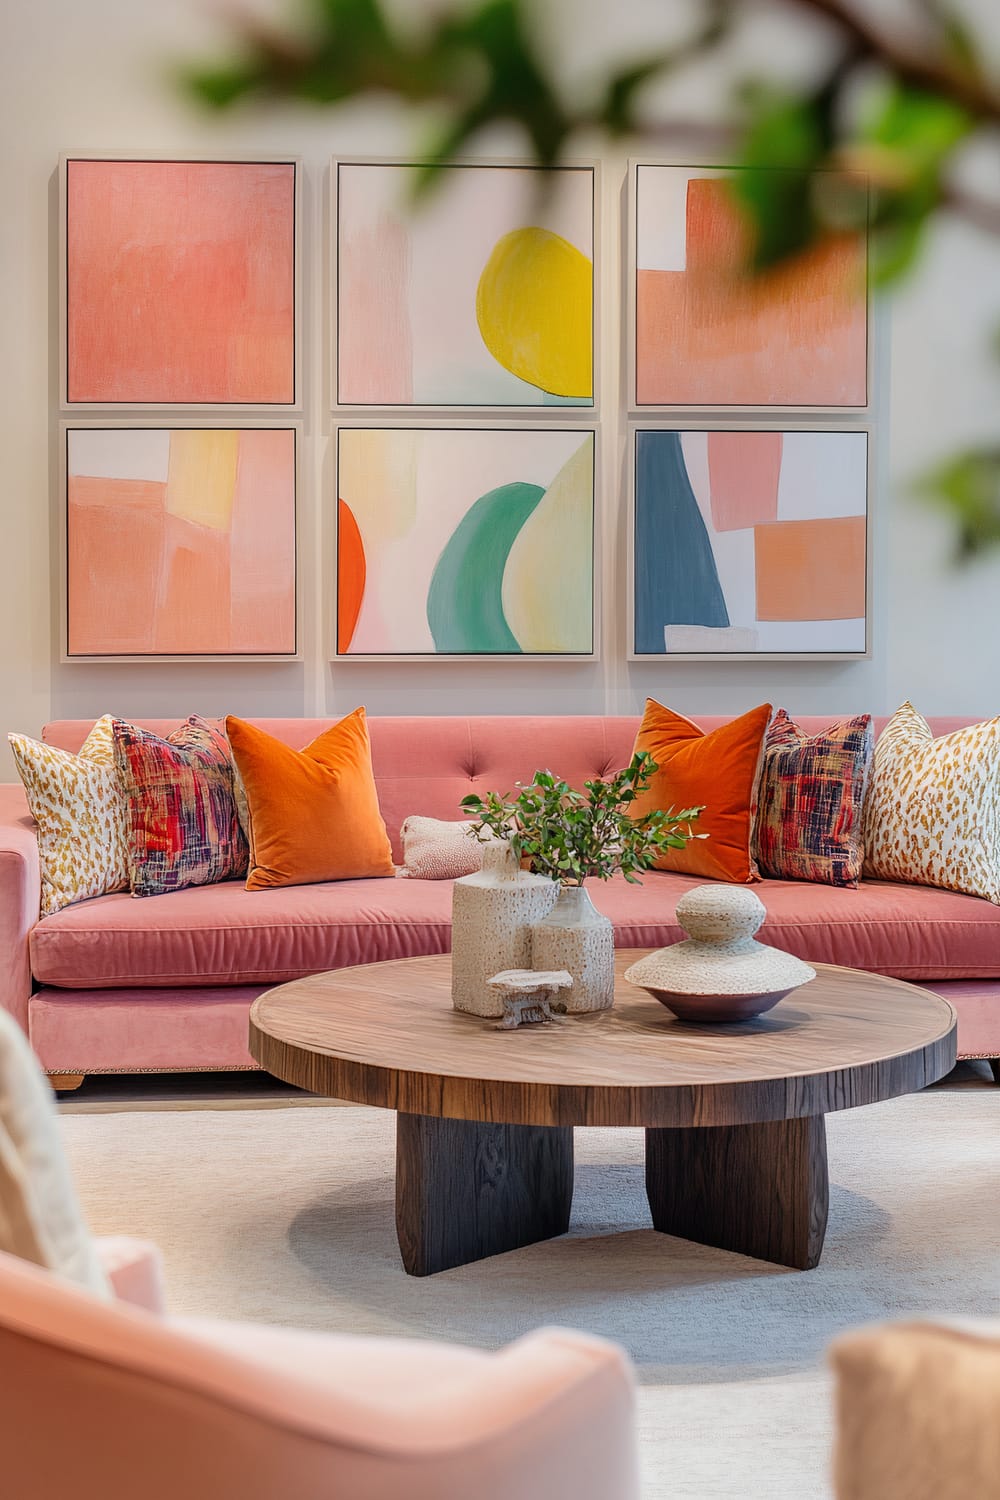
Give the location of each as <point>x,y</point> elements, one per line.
<point>110,1400</point>
<point>114,1402</point>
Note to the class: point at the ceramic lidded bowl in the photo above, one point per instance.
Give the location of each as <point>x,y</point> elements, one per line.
<point>719,973</point>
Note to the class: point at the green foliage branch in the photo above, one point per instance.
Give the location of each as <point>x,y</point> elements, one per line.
<point>892,110</point>
<point>570,835</point>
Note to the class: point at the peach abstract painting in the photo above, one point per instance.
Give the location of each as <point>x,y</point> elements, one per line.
<point>180,541</point>
<point>750,543</point>
<point>709,334</point>
<point>180,282</point>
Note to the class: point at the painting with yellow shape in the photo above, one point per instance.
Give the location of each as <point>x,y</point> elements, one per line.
<point>534,307</point>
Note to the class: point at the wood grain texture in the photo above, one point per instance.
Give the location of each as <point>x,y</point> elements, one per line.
<point>760,1190</point>
<point>65,1083</point>
<point>465,1191</point>
<point>386,1035</point>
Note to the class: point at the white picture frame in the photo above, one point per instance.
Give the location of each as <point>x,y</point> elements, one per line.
<point>168,423</point>
<point>530,433</point>
<point>776,425</point>
<point>81,407</point>
<point>720,404</point>
<point>342,405</point>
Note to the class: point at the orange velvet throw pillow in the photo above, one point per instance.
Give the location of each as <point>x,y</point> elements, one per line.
<point>718,770</point>
<point>314,813</point>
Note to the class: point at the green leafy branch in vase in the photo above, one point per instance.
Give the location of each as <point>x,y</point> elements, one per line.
<point>570,835</point>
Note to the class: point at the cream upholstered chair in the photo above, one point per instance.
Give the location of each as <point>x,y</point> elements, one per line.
<point>40,1218</point>
<point>918,1412</point>
<point>110,1400</point>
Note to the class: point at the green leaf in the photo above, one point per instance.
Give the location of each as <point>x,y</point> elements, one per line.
<point>968,486</point>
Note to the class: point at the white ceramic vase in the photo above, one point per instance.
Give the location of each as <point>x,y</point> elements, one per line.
<point>576,936</point>
<point>492,914</point>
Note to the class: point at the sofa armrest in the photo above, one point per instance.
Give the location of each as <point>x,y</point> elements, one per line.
<point>20,899</point>
<point>918,1412</point>
<point>550,1417</point>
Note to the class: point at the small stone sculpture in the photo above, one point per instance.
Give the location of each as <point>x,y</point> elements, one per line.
<point>525,995</point>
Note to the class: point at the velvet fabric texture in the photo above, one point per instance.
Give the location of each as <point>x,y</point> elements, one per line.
<point>221,935</point>
<point>182,827</point>
<point>166,1407</point>
<point>809,816</point>
<point>314,813</point>
<point>717,771</point>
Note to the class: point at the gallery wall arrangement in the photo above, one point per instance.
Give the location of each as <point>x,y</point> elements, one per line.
<point>466,503</point>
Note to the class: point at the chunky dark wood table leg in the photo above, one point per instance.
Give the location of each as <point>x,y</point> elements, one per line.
<point>466,1190</point>
<point>760,1190</point>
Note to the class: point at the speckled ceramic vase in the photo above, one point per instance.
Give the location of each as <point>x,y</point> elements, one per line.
<point>492,913</point>
<point>576,936</point>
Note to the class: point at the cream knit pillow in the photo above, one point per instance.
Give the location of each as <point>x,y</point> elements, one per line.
<point>932,813</point>
<point>80,812</point>
<point>435,850</point>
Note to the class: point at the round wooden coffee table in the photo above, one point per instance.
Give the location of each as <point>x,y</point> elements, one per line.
<point>735,1137</point>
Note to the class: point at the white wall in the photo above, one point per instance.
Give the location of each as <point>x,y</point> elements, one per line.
<point>94,75</point>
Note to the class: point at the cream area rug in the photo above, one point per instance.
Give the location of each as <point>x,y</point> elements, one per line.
<point>285,1215</point>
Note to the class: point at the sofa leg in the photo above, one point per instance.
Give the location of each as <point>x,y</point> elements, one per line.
<point>995,1065</point>
<point>65,1083</point>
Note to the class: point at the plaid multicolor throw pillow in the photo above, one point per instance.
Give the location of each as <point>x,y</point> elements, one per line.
<point>182,827</point>
<point>809,814</point>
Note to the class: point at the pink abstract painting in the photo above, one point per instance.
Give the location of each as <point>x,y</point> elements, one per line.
<point>180,541</point>
<point>180,282</point>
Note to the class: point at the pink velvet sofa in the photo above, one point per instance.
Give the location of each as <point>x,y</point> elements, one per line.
<point>164,983</point>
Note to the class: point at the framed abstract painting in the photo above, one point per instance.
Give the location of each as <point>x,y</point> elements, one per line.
<point>706,333</point>
<point>179,282</point>
<point>749,543</point>
<point>479,296</point>
<point>180,542</point>
<point>463,541</point>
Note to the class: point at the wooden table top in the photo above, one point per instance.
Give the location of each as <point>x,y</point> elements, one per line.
<point>386,1034</point>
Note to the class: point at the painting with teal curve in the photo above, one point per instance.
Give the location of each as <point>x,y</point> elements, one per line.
<point>465,600</point>
<point>676,581</point>
<point>515,576</point>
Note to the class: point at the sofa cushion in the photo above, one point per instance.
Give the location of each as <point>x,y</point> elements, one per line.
<point>78,806</point>
<point>314,813</point>
<point>716,772</point>
<point>812,789</point>
<point>932,813</point>
<point>182,826</point>
<point>223,934</point>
